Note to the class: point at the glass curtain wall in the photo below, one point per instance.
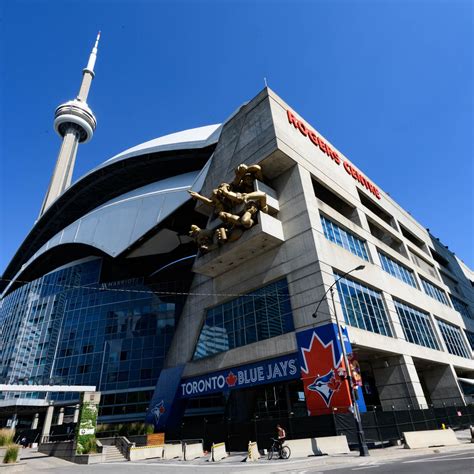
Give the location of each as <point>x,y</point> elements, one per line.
<point>363,307</point>
<point>68,328</point>
<point>416,325</point>
<point>453,338</point>
<point>253,317</point>
<point>344,238</point>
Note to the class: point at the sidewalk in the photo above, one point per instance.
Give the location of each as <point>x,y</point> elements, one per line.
<point>31,460</point>
<point>376,456</point>
<point>34,462</point>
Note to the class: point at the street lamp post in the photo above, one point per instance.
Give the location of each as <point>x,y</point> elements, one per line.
<point>363,450</point>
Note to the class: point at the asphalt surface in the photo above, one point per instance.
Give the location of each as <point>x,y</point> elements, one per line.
<point>459,459</point>
<point>433,463</point>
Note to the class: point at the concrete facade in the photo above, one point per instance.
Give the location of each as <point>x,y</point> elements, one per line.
<point>406,374</point>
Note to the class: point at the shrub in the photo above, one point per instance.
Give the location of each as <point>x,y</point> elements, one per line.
<point>11,455</point>
<point>150,429</point>
<point>87,446</point>
<point>6,436</point>
<point>90,446</point>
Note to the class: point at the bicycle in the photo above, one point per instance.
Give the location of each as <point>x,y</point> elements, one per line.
<point>283,451</point>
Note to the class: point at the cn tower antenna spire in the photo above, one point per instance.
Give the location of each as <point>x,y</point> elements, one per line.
<point>75,123</point>
<point>88,72</point>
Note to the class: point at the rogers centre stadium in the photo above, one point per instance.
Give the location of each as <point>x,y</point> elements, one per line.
<point>188,280</point>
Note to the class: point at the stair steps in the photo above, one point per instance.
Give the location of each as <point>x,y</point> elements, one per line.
<point>113,454</point>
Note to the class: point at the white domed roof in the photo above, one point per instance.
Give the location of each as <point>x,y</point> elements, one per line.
<point>187,139</point>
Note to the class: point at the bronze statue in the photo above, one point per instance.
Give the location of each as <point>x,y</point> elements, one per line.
<point>235,204</point>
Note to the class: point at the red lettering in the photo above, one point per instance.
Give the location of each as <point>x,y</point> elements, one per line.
<point>322,145</point>
<point>302,128</point>
<point>313,137</point>
<point>325,148</point>
<point>329,151</point>
<point>292,119</point>
<point>335,157</point>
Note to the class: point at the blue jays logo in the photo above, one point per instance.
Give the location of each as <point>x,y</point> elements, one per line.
<point>157,411</point>
<point>326,386</point>
<point>322,370</point>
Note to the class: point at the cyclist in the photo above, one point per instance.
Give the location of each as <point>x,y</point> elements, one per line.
<point>281,436</point>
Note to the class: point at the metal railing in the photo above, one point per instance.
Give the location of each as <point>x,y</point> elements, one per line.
<point>122,443</point>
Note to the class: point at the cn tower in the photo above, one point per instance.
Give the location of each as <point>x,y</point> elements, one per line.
<point>75,123</point>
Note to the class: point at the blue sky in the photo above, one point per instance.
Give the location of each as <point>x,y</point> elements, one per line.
<point>389,83</point>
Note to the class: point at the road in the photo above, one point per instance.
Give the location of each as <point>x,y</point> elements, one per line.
<point>456,461</point>
<point>453,463</point>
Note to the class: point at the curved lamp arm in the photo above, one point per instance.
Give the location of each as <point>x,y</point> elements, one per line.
<point>360,267</point>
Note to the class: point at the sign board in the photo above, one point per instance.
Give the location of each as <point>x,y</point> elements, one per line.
<point>259,373</point>
<point>86,431</point>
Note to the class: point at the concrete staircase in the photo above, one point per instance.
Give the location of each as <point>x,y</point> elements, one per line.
<point>113,454</point>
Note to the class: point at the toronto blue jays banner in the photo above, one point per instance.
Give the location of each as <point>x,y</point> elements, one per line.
<point>323,371</point>
<point>165,410</point>
<point>266,371</point>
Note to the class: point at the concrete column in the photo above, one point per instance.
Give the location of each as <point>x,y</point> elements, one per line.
<point>34,423</point>
<point>398,383</point>
<point>64,166</point>
<point>14,421</point>
<point>85,86</point>
<point>76,413</point>
<point>47,423</point>
<point>61,416</point>
<point>442,385</point>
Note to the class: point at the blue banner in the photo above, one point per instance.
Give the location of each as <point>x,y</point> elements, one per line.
<point>164,410</point>
<point>259,373</point>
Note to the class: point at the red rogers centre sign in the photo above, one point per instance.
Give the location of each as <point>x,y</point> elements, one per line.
<point>325,148</point>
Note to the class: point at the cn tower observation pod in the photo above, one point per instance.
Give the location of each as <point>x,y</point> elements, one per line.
<point>78,115</point>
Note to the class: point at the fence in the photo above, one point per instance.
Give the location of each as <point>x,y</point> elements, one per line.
<point>383,426</point>
<point>380,427</point>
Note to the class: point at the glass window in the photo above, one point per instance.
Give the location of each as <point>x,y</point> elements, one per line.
<point>453,338</point>
<point>397,269</point>
<point>344,238</point>
<point>434,291</point>
<point>362,306</point>
<point>461,307</point>
<point>257,316</point>
<point>470,338</point>
<point>416,325</point>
